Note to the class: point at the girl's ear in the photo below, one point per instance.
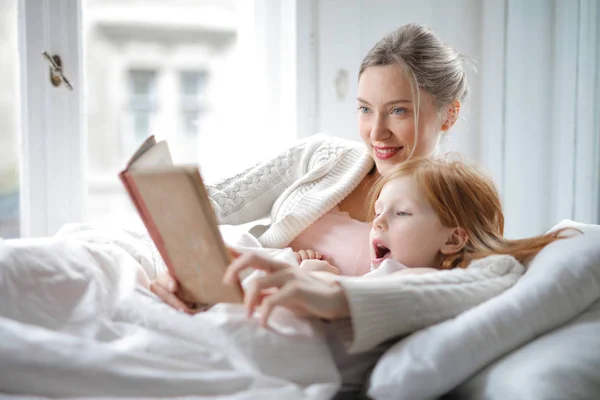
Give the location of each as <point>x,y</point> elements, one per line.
<point>457,239</point>
<point>451,115</point>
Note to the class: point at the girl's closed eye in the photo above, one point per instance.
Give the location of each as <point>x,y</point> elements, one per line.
<point>403,213</point>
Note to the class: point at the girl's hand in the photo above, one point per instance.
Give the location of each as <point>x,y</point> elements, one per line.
<point>302,292</point>
<point>303,255</point>
<point>319,266</point>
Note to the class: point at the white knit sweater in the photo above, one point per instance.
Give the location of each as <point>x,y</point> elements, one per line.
<point>295,188</point>
<point>309,179</point>
<point>387,307</point>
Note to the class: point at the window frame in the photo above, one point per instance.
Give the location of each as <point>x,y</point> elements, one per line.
<point>53,169</point>
<point>53,166</point>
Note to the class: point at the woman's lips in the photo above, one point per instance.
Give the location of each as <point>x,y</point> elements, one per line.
<point>383,153</point>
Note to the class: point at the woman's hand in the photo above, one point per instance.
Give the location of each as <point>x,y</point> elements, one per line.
<point>169,290</point>
<point>415,271</point>
<point>319,266</point>
<point>303,255</point>
<point>304,293</point>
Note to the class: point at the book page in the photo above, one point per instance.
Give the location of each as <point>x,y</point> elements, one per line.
<point>148,143</point>
<point>156,156</point>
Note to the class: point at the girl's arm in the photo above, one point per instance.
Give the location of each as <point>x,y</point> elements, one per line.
<point>386,307</point>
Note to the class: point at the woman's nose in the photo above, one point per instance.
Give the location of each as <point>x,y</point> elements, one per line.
<point>379,131</point>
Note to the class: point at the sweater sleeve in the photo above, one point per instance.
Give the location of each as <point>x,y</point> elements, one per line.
<point>386,307</point>
<point>251,194</point>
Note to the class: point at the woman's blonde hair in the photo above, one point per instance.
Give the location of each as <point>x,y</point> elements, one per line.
<point>427,62</point>
<point>463,196</point>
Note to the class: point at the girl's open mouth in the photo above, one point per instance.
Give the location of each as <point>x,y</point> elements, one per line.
<point>381,252</point>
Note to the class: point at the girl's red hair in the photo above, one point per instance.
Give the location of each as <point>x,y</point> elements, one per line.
<point>463,196</point>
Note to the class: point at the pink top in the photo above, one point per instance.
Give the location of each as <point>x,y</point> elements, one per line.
<point>345,242</point>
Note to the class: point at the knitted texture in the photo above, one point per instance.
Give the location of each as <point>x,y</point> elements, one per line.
<point>391,306</point>
<point>294,188</point>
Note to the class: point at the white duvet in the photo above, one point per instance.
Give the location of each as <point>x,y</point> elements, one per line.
<point>76,319</point>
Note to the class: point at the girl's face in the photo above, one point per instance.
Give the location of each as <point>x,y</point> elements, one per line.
<point>406,228</point>
<point>386,117</point>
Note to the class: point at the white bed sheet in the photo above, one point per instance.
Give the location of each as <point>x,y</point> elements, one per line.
<point>76,320</point>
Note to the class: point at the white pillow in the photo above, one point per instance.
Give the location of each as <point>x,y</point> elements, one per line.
<point>563,364</point>
<point>561,282</point>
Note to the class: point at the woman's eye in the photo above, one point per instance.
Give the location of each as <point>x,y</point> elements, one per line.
<point>398,111</point>
<point>402,213</point>
<point>364,110</point>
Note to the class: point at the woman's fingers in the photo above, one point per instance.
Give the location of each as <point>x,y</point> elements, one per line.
<point>319,265</point>
<point>303,255</point>
<point>252,260</point>
<point>300,299</point>
<point>283,297</point>
<point>170,298</point>
<point>170,291</point>
<point>255,292</point>
<point>167,281</point>
<point>234,253</point>
<point>302,292</point>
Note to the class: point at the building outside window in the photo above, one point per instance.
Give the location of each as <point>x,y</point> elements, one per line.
<point>142,102</point>
<point>192,92</point>
<point>153,68</point>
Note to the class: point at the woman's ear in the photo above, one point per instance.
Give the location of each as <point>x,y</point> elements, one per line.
<point>457,240</point>
<point>451,115</point>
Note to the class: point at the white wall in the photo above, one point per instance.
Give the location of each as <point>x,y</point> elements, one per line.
<point>551,129</point>
<point>348,29</point>
<point>532,117</point>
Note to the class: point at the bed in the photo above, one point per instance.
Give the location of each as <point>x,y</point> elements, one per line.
<point>77,321</point>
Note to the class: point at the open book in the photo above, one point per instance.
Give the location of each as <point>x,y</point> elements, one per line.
<point>174,205</point>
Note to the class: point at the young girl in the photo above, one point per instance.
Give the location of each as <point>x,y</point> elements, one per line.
<point>429,216</point>
<point>437,214</point>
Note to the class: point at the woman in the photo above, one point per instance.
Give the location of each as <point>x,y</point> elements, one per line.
<point>410,89</point>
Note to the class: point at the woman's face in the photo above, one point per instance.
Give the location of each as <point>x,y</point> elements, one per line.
<point>386,117</point>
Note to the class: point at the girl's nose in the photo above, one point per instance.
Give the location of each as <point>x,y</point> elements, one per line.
<point>379,223</point>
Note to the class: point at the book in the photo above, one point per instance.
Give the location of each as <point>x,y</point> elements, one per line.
<point>173,204</point>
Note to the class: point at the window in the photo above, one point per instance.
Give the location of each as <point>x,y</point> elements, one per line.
<point>142,103</point>
<point>147,68</point>
<point>192,86</point>
<point>9,115</point>
<point>199,73</point>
